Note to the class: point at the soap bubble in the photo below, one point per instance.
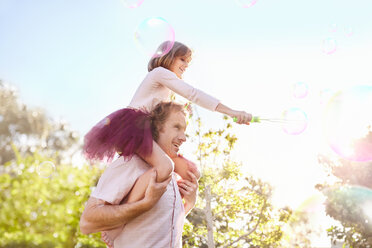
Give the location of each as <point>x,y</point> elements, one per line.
<point>295,121</point>
<point>46,169</point>
<point>153,32</point>
<point>300,90</point>
<point>348,31</point>
<point>347,123</point>
<point>132,3</point>
<point>329,46</point>
<point>246,3</point>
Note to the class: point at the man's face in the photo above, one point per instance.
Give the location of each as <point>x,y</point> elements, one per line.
<point>172,134</point>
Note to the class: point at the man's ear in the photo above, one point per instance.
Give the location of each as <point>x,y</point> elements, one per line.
<point>161,129</point>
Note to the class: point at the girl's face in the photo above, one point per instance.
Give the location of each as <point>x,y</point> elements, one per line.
<point>180,64</point>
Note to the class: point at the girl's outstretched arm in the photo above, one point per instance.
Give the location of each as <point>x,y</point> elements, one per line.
<point>169,79</point>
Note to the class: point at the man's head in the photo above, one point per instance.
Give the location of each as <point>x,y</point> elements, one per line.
<point>168,125</point>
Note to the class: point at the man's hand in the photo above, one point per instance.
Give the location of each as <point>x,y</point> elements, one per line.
<point>189,191</point>
<point>155,190</point>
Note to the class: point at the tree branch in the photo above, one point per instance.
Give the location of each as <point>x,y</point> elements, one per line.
<point>252,230</point>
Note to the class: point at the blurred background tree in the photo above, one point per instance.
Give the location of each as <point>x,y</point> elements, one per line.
<point>349,199</point>
<point>30,129</point>
<point>41,204</point>
<point>42,194</point>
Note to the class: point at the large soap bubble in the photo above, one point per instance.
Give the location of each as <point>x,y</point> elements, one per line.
<point>153,32</point>
<point>347,123</point>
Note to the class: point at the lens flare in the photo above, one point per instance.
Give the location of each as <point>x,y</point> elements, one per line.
<point>295,121</point>
<point>347,123</point>
<point>310,218</point>
<point>153,32</point>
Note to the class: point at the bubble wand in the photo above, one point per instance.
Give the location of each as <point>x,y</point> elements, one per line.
<point>257,119</point>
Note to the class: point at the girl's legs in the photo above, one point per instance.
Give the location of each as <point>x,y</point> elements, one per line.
<point>160,161</point>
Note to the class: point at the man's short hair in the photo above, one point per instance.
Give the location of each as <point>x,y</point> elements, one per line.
<point>160,114</point>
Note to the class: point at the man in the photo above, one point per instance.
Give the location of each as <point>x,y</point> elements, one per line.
<point>157,219</point>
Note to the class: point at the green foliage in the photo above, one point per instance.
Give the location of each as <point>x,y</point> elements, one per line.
<point>346,198</point>
<point>346,204</point>
<point>241,208</point>
<point>39,211</point>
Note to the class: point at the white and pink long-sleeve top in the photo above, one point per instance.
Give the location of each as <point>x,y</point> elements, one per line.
<point>158,86</point>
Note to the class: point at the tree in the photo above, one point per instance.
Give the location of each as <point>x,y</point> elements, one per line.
<point>349,198</point>
<point>30,129</point>
<point>42,195</point>
<point>39,210</point>
<point>232,210</point>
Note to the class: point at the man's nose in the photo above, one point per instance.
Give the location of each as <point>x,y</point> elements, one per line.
<point>182,137</point>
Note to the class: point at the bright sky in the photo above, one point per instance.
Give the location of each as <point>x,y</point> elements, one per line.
<point>79,61</point>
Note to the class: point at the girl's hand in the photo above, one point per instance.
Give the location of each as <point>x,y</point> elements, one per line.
<point>242,117</point>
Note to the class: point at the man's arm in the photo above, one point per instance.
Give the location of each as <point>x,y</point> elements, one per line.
<point>188,207</point>
<point>98,216</point>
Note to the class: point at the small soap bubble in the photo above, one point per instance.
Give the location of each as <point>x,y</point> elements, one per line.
<point>329,46</point>
<point>46,169</point>
<point>333,28</point>
<point>132,4</point>
<point>246,3</point>
<point>300,90</point>
<point>348,31</point>
<point>295,121</point>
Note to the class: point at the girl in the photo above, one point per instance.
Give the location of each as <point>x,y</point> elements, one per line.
<point>119,132</point>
